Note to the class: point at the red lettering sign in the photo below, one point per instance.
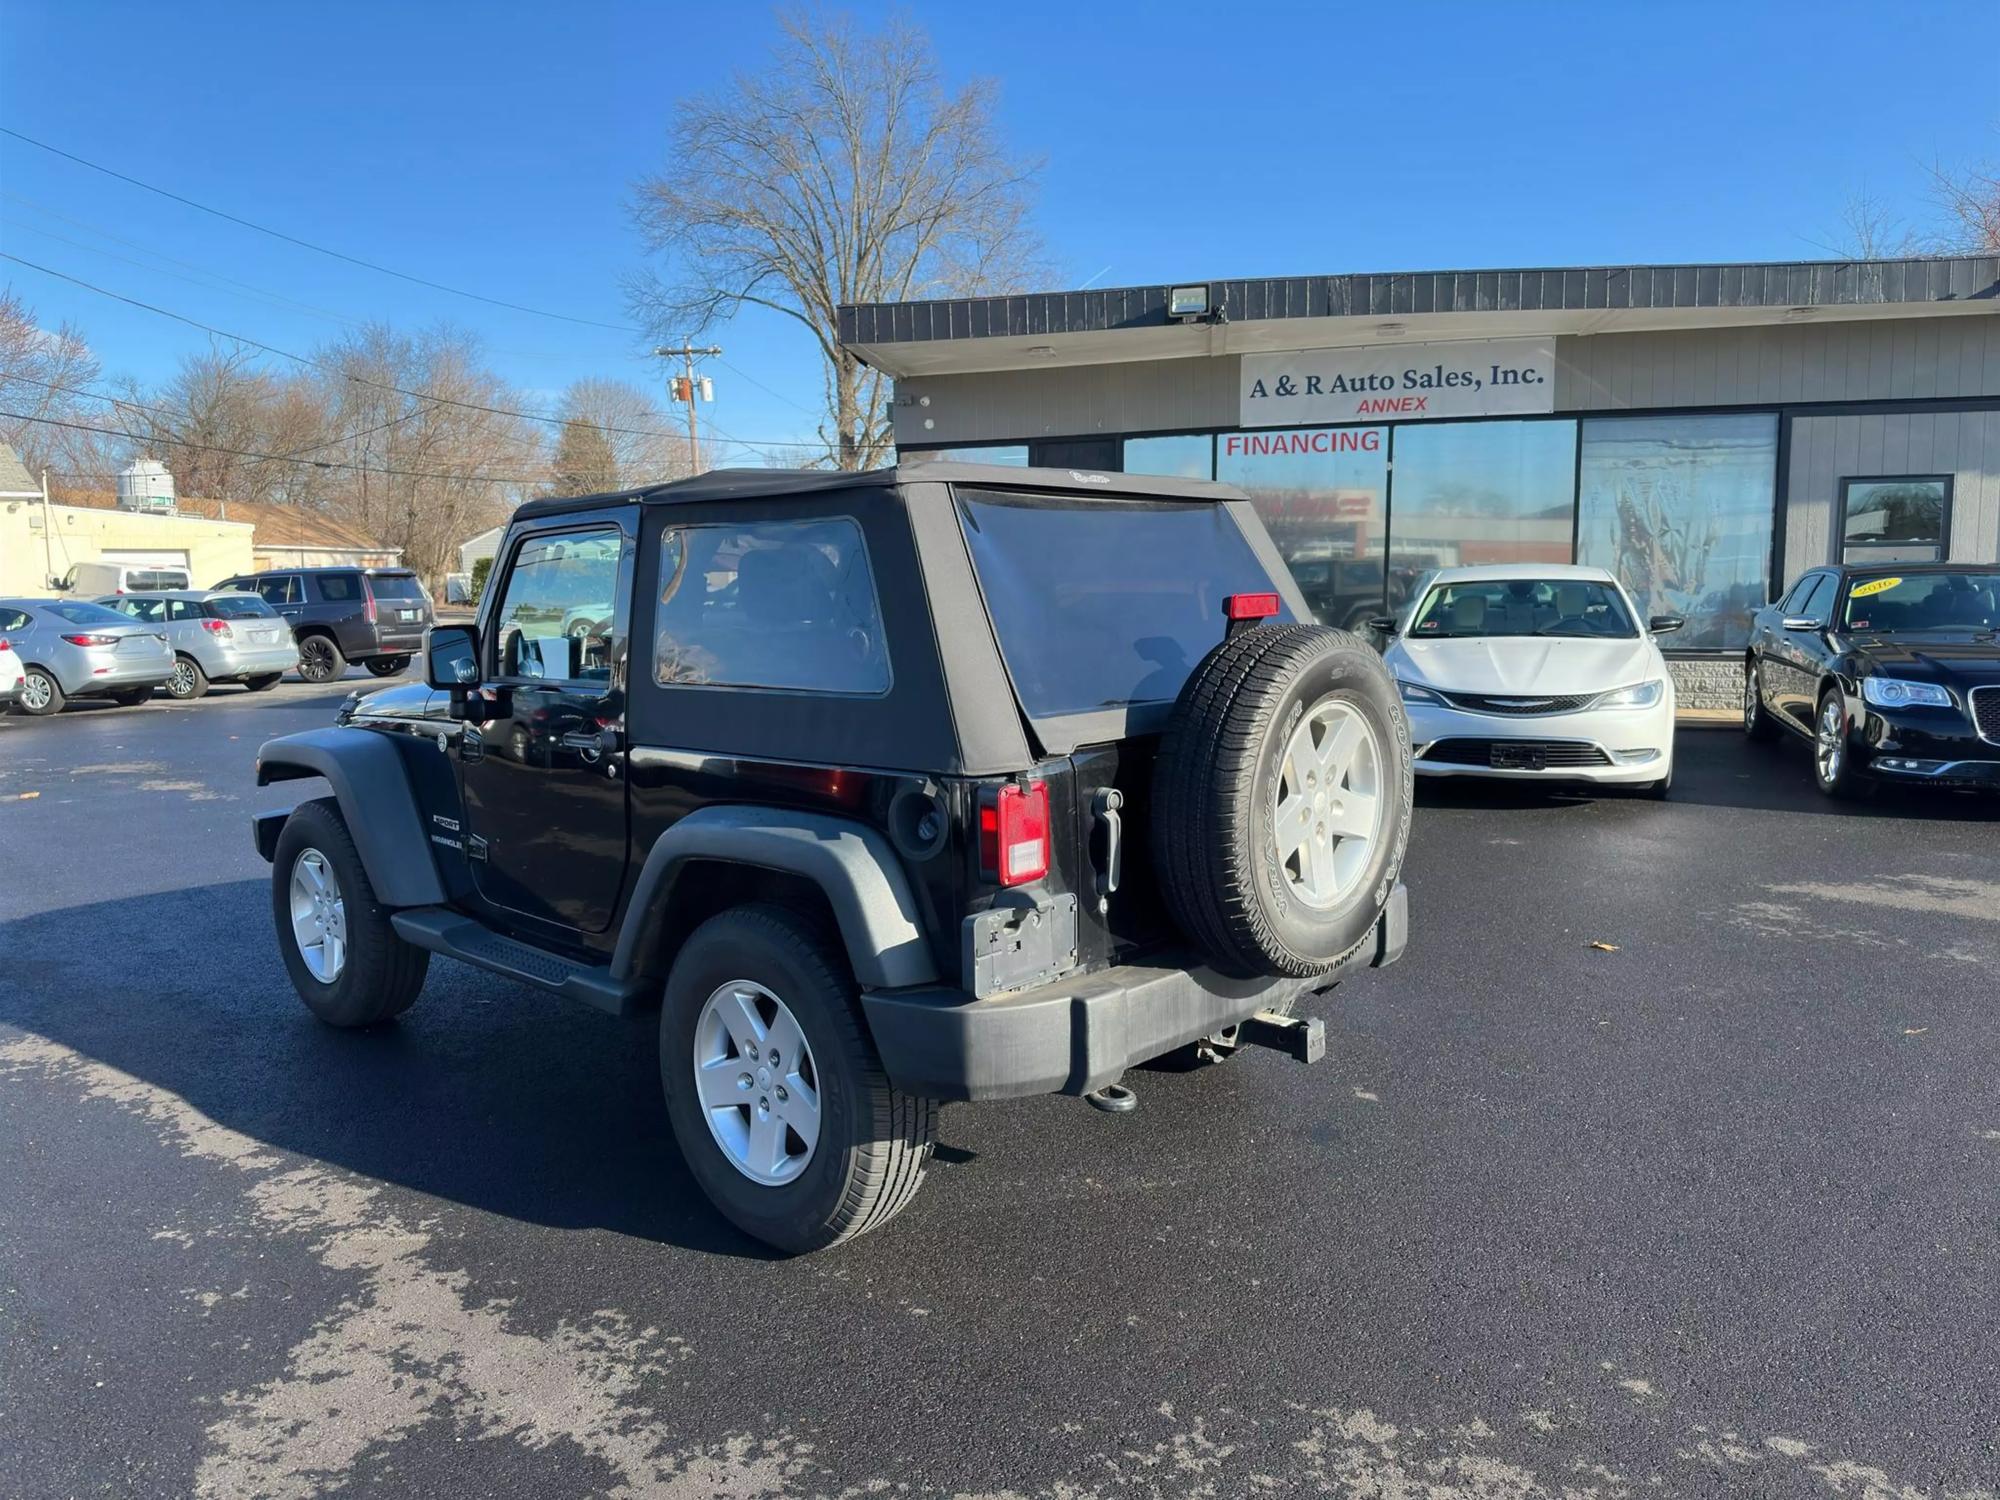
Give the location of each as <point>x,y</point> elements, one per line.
<point>1323,440</point>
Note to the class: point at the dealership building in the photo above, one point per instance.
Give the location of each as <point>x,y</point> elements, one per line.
<point>1704,431</point>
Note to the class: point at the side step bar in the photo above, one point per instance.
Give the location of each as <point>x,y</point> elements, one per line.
<point>455,936</point>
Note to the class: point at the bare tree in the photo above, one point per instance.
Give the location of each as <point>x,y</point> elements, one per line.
<point>1871,230</point>
<point>223,423</point>
<point>844,172</point>
<point>1969,201</point>
<point>641,446</point>
<point>43,375</point>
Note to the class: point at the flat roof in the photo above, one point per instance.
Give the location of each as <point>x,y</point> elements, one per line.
<point>965,334</point>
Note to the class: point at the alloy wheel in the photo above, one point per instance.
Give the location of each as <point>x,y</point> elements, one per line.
<point>181,684</point>
<point>315,659</point>
<point>319,916</point>
<point>1830,751</point>
<point>35,693</point>
<point>1329,806</point>
<point>756,1083</point>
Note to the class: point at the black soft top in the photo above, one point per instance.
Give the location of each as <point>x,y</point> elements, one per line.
<point>783,484</point>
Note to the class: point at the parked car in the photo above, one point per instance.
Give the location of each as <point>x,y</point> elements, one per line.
<point>953,782</point>
<point>88,578</point>
<point>71,648</point>
<point>217,636</point>
<point>1535,671</point>
<point>13,677</point>
<point>375,616</point>
<point>1892,670</point>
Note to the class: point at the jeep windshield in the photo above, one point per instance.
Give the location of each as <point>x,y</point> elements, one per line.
<point>1105,603</point>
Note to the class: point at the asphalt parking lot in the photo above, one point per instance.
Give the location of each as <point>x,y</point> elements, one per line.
<point>1713,1208</point>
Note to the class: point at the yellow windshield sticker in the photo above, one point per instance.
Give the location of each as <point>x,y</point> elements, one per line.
<point>1872,586</point>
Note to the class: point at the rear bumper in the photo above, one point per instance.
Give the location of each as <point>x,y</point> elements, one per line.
<point>1076,1034</point>
<point>254,661</point>
<point>117,670</point>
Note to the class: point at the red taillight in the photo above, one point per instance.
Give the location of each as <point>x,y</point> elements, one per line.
<point>218,627</point>
<point>1014,833</point>
<point>3,643</point>
<point>1249,606</point>
<point>92,640</point>
<point>368,596</point>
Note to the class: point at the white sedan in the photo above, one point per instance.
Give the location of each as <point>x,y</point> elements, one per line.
<point>13,677</point>
<point>1535,671</point>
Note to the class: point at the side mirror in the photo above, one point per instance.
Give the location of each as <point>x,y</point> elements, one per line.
<point>1382,624</point>
<point>1801,622</point>
<point>451,658</point>
<point>1665,624</point>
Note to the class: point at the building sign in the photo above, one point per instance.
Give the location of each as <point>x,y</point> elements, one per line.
<point>1407,382</point>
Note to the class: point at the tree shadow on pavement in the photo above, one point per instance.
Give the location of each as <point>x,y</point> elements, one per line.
<point>486,1093</point>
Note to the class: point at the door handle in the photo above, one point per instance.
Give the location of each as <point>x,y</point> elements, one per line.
<point>1104,807</point>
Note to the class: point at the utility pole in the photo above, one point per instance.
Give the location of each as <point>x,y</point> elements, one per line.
<point>686,387</point>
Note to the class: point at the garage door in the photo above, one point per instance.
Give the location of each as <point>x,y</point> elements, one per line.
<point>146,557</point>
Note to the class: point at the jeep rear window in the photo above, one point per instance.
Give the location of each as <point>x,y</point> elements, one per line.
<point>1105,603</point>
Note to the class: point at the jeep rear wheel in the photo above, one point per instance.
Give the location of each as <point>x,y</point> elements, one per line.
<point>775,1092</point>
<point>1283,796</point>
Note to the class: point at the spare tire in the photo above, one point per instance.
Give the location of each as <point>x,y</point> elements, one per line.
<point>1282,800</point>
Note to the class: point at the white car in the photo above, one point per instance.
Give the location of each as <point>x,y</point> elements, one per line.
<point>13,676</point>
<point>1535,671</point>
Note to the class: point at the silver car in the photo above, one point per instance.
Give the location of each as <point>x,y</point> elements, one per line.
<point>218,635</point>
<point>71,648</point>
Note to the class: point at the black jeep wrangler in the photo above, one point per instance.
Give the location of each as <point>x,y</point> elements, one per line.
<point>941,782</point>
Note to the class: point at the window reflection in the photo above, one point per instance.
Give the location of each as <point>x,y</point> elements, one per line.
<point>1184,456</point>
<point>1680,509</point>
<point>1482,492</point>
<point>1320,492</point>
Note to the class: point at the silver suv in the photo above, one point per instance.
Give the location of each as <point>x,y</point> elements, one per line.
<point>217,635</point>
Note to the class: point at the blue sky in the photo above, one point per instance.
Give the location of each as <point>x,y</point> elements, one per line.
<point>492,147</point>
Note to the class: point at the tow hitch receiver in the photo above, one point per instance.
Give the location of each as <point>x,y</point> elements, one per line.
<point>1302,1038</point>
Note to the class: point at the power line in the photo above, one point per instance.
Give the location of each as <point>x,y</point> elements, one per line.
<point>291,239</point>
<point>309,463</point>
<point>171,440</point>
<point>318,364</point>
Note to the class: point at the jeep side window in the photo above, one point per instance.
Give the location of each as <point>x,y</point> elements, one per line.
<point>339,588</point>
<point>776,604</point>
<point>283,589</point>
<point>559,612</point>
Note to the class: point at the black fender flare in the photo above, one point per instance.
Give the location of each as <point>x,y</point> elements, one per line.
<point>853,864</point>
<point>372,787</point>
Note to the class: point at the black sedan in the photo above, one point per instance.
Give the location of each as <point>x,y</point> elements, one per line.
<point>1892,670</point>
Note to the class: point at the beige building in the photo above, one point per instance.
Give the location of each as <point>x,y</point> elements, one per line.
<point>213,539</point>
<point>40,542</point>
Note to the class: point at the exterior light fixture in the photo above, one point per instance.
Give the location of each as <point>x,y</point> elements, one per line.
<point>1799,314</point>
<point>1041,351</point>
<point>1187,303</point>
<point>1389,330</point>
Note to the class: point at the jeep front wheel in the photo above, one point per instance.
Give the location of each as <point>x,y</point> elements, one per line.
<point>775,1092</point>
<point>1283,796</point>
<point>346,960</point>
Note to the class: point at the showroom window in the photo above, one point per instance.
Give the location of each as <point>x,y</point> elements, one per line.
<point>1320,492</point>
<point>1481,492</point>
<point>1184,456</point>
<point>1014,455</point>
<point>1680,509</point>
<point>1904,519</point>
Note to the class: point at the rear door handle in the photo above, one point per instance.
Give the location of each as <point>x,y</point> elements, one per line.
<point>1104,806</point>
